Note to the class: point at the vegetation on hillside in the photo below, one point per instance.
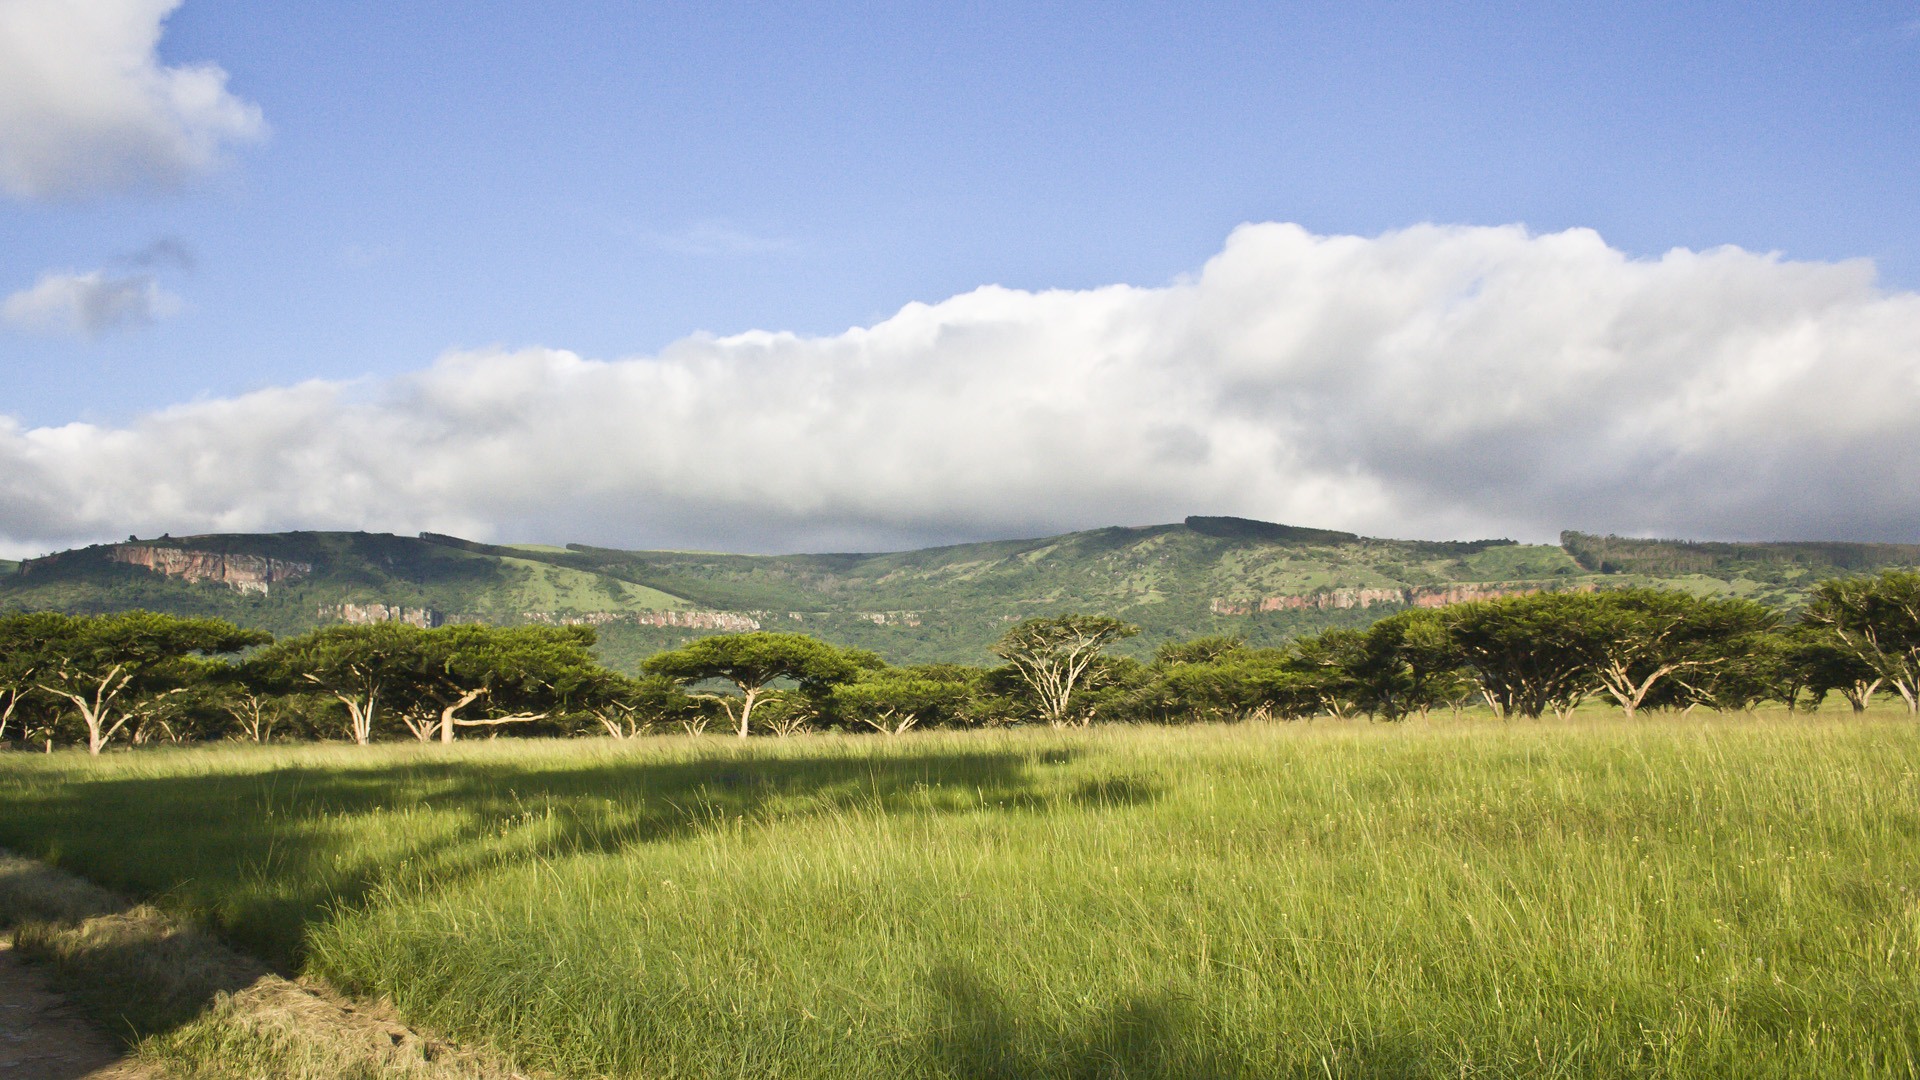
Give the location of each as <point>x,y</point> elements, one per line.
<point>1262,582</point>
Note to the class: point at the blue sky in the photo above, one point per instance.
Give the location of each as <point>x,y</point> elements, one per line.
<point>609,178</point>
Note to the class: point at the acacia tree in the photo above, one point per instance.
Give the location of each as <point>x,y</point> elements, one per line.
<point>894,700</point>
<point>1407,665</point>
<point>523,673</point>
<point>1330,664</point>
<point>115,668</point>
<point>753,662</point>
<point>1053,655</point>
<point>1877,620</point>
<point>1819,659</point>
<point>356,665</point>
<point>1643,636</point>
<point>1530,653</point>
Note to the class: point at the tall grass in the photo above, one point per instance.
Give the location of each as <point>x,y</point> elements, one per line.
<point>1665,897</point>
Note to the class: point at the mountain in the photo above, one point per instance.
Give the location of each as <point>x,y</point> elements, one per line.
<point>1264,581</point>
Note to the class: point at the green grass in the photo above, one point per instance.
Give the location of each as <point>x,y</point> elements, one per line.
<point>1668,897</point>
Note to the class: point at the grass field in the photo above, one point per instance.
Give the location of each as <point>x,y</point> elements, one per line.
<point>1712,896</point>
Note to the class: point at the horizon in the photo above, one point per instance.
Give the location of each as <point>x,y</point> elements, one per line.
<point>428,536</point>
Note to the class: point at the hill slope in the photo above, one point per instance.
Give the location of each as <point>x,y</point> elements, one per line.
<point>1263,581</point>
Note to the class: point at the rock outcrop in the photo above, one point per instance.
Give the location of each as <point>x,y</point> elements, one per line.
<point>242,573</point>
<point>732,622</point>
<point>1424,596</point>
<point>367,614</point>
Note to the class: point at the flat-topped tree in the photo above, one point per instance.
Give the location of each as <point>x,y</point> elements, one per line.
<point>1053,655</point>
<point>113,668</point>
<point>519,674</point>
<point>356,665</point>
<point>1532,653</point>
<point>1877,621</point>
<point>753,662</point>
<point>1643,637</point>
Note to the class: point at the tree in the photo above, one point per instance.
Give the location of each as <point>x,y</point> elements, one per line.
<point>1820,659</point>
<point>356,665</point>
<point>1407,665</point>
<point>753,662</point>
<point>1329,665</point>
<point>893,700</point>
<point>114,668</point>
<point>1877,620</point>
<point>1053,654</point>
<point>1530,653</point>
<point>1643,636</point>
<point>626,707</point>
<point>522,673</point>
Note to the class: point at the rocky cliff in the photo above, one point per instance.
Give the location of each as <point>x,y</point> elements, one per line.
<point>365,614</point>
<point>242,573</point>
<point>1425,596</point>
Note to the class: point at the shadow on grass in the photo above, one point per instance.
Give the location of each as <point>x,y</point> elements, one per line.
<point>980,1035</point>
<point>262,857</point>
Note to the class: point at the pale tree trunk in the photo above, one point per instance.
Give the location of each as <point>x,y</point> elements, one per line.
<point>1054,680</point>
<point>250,712</point>
<point>495,721</point>
<point>447,718</point>
<point>1910,693</point>
<point>1493,702</point>
<point>1624,690</point>
<point>621,721</point>
<point>94,711</point>
<point>6,715</point>
<point>1860,693</point>
<point>360,717</point>
<point>751,697</point>
<point>14,694</point>
<point>422,727</point>
<point>886,725</point>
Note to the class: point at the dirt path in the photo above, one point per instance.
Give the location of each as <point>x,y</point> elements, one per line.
<point>262,1024</point>
<point>41,1038</point>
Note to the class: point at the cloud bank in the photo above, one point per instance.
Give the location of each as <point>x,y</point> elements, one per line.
<point>86,107</point>
<point>1431,382</point>
<point>88,305</point>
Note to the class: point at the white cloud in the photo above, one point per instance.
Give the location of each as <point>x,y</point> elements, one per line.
<point>88,305</point>
<point>1429,382</point>
<point>86,107</point>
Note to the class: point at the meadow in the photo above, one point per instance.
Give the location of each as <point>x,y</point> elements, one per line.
<point>1666,896</point>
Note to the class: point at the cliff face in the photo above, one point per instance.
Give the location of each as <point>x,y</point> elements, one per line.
<point>1424,596</point>
<point>365,614</point>
<point>732,622</point>
<point>242,573</point>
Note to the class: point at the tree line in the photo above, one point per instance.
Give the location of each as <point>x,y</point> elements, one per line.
<point>142,677</point>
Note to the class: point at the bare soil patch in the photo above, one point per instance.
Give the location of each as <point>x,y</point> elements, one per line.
<point>188,1005</point>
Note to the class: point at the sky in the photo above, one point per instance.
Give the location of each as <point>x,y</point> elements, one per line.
<point>835,276</point>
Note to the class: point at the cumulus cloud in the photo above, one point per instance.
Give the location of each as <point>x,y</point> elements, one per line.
<point>88,305</point>
<point>86,106</point>
<point>1431,382</point>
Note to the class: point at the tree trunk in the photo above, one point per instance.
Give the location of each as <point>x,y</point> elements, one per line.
<point>746,709</point>
<point>447,714</point>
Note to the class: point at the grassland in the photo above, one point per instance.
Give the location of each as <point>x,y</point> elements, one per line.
<point>1670,897</point>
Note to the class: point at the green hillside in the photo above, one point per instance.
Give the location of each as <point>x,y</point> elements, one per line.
<point>1262,581</point>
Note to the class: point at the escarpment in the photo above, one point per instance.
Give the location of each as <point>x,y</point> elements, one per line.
<point>241,573</point>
